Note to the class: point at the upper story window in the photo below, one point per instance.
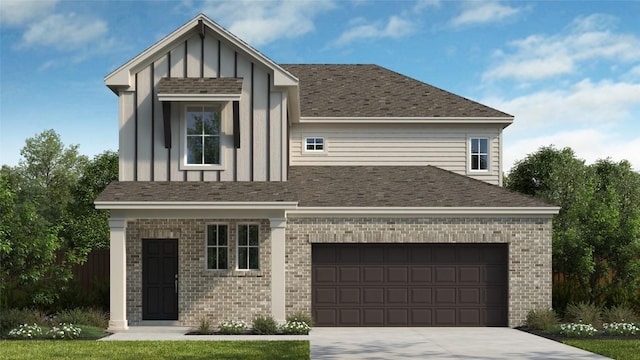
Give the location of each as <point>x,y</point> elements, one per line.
<point>202,145</point>
<point>314,144</point>
<point>248,247</point>
<point>217,247</point>
<point>479,153</point>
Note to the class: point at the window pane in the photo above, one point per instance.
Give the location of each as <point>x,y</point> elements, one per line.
<point>242,235</point>
<point>483,146</point>
<point>242,258</point>
<point>211,150</point>
<point>211,258</point>
<point>309,147</point>
<point>222,258</point>
<point>222,235</point>
<point>194,150</point>
<point>253,258</point>
<point>194,123</point>
<point>474,162</point>
<point>211,235</point>
<point>253,235</point>
<point>211,123</point>
<point>483,162</point>
<point>474,146</point>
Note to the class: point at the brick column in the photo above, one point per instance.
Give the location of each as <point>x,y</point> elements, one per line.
<point>118,275</point>
<point>278,289</point>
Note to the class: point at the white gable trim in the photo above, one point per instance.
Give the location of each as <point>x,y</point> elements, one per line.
<point>121,78</point>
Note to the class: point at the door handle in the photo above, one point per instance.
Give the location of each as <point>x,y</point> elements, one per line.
<point>176,282</point>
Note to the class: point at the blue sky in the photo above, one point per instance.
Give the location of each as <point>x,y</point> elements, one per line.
<point>568,70</point>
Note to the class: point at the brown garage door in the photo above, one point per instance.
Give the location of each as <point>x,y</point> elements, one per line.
<point>409,284</point>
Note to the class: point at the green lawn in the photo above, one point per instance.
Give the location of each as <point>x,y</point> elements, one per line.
<point>140,350</point>
<point>615,349</point>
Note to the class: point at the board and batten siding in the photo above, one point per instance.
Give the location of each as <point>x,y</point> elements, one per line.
<point>397,144</point>
<point>262,155</point>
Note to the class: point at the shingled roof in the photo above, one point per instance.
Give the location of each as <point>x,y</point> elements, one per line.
<point>336,186</point>
<point>374,91</point>
<point>200,86</point>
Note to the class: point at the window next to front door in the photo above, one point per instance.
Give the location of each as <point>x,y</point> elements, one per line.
<point>248,247</point>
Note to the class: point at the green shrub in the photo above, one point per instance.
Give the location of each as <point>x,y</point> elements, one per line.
<point>11,318</point>
<point>90,316</point>
<point>584,313</point>
<point>25,331</point>
<point>541,319</point>
<point>232,327</point>
<point>621,329</point>
<point>577,330</point>
<point>300,316</point>
<point>64,331</point>
<point>264,325</point>
<point>204,328</point>
<point>619,314</point>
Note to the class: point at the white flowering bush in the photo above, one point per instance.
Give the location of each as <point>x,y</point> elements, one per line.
<point>26,331</point>
<point>232,327</point>
<point>623,329</point>
<point>295,328</point>
<point>64,331</point>
<point>578,330</point>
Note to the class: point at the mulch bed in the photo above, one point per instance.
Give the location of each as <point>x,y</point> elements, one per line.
<point>558,337</point>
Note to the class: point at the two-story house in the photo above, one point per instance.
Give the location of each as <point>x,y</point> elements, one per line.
<point>351,192</point>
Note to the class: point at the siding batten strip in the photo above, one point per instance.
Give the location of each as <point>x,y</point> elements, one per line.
<point>251,157</point>
<point>235,74</point>
<point>153,120</point>
<point>268,146</point>
<point>219,56</point>
<point>186,57</point>
<point>135,117</point>
<point>169,149</point>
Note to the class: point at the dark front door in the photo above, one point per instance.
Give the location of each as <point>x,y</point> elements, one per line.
<point>160,279</point>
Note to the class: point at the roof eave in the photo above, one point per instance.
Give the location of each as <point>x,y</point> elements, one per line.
<point>506,120</point>
<point>426,211</point>
<point>196,205</point>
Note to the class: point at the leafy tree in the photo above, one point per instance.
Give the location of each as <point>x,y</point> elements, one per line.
<point>596,235</point>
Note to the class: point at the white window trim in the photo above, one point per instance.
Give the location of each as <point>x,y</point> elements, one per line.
<point>237,267</point>
<point>183,136</point>
<point>206,247</point>
<point>315,152</point>
<point>468,159</point>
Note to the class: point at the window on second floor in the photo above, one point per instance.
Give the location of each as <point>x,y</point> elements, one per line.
<point>314,144</point>
<point>202,145</point>
<point>479,153</point>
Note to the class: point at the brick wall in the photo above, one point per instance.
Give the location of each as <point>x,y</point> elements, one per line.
<point>211,294</point>
<point>529,242</point>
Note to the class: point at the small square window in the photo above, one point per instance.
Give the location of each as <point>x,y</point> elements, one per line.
<point>314,144</point>
<point>248,247</point>
<point>217,247</point>
<point>479,154</point>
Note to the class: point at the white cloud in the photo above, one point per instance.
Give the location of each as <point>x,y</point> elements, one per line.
<point>582,103</point>
<point>18,12</point>
<point>588,39</point>
<point>394,28</point>
<point>262,22</point>
<point>64,31</point>
<point>589,144</point>
<point>483,12</point>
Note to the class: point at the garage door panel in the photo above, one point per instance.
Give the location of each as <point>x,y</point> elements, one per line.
<point>325,274</point>
<point>373,274</point>
<point>469,274</point>
<point>397,317</point>
<point>421,274</point>
<point>397,296</point>
<point>421,296</point>
<point>349,296</point>
<point>373,317</point>
<point>373,296</point>
<point>445,275</point>
<point>410,285</point>
<point>349,317</point>
<point>349,274</point>
<point>398,275</point>
<point>325,296</point>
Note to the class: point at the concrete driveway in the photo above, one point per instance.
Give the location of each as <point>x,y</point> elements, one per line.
<point>437,343</point>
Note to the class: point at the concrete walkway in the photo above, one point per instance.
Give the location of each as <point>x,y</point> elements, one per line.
<point>394,343</point>
<point>438,343</point>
